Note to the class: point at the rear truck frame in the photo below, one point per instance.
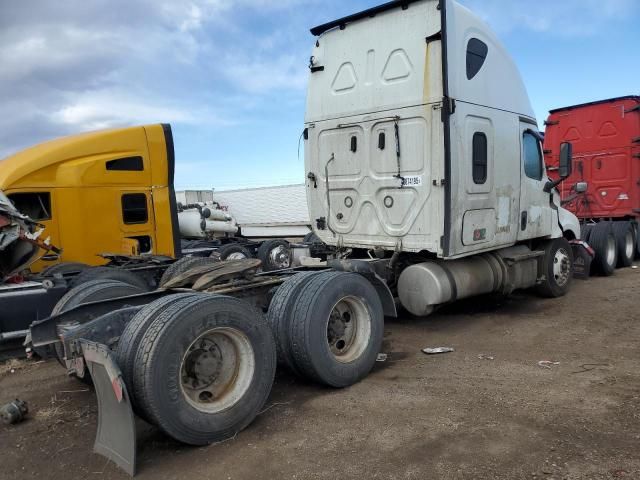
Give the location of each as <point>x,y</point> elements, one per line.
<point>604,189</point>
<point>426,183</point>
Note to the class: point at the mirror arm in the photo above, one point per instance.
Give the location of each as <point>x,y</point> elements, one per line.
<point>550,185</point>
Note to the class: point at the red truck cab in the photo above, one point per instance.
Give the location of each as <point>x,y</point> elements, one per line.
<point>604,189</point>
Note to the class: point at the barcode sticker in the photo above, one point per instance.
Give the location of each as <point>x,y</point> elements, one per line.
<point>414,181</point>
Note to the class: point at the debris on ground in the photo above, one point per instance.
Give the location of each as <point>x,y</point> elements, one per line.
<point>437,350</point>
<point>14,412</point>
<point>547,364</point>
<point>382,357</point>
<point>482,356</point>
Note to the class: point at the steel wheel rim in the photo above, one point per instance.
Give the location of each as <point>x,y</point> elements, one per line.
<point>611,250</point>
<point>236,256</point>
<point>348,329</point>
<point>561,267</point>
<point>280,257</point>
<point>217,369</point>
<point>629,246</point>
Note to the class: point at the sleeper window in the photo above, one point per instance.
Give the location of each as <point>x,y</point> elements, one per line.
<point>129,164</point>
<point>476,55</point>
<point>134,208</point>
<point>532,156</point>
<point>479,158</point>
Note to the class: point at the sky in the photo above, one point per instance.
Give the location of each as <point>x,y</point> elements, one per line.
<point>230,75</point>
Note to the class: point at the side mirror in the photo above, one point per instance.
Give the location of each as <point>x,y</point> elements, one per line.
<point>581,187</point>
<point>566,160</point>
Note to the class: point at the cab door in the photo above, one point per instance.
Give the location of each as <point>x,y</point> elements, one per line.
<point>535,208</point>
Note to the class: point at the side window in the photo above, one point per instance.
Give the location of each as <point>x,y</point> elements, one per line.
<point>134,208</point>
<point>479,158</point>
<point>129,164</point>
<point>477,52</point>
<point>532,157</point>
<point>36,206</point>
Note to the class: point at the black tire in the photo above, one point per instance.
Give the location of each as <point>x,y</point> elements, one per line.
<point>91,291</point>
<point>279,315</point>
<point>182,266</point>
<point>165,350</point>
<point>556,267</point>
<point>111,273</point>
<point>132,336</point>
<point>311,237</point>
<point>275,255</point>
<point>603,242</point>
<point>311,331</point>
<point>232,250</point>
<point>64,268</point>
<point>585,231</point>
<point>626,243</point>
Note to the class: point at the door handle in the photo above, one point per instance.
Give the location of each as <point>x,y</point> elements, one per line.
<point>523,221</point>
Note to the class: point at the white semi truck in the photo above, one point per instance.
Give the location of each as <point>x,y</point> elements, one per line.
<point>424,177</point>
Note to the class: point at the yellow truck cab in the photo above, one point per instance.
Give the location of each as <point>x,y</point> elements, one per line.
<point>101,192</point>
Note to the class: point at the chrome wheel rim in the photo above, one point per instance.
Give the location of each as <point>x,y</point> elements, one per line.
<point>562,267</point>
<point>280,257</point>
<point>348,329</point>
<point>629,247</point>
<point>611,250</point>
<point>217,370</point>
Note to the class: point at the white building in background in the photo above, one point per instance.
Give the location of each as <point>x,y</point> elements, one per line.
<point>260,212</point>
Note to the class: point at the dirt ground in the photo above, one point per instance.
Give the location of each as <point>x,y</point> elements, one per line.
<point>486,411</point>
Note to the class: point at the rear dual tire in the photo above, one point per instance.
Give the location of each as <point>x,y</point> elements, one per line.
<point>601,238</point>
<point>329,326</point>
<point>204,368</point>
<point>625,236</point>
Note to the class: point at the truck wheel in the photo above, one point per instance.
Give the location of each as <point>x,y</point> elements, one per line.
<point>182,266</point>
<point>275,255</point>
<point>91,291</point>
<point>132,336</point>
<point>279,315</point>
<point>64,268</point>
<point>336,328</point>
<point>111,273</point>
<point>232,252</point>
<point>204,370</point>
<point>626,243</point>
<point>557,269</point>
<point>603,242</point>
<point>585,231</point>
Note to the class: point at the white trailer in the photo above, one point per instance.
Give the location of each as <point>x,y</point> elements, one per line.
<point>425,177</point>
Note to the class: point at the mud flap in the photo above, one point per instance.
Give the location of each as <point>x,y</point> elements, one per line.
<point>116,435</point>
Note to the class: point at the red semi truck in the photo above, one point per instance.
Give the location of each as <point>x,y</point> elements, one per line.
<point>604,189</point>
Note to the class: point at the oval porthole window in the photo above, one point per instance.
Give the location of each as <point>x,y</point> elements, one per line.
<point>477,52</point>
<point>388,201</point>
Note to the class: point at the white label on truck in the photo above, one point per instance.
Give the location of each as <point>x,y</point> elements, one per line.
<point>414,181</point>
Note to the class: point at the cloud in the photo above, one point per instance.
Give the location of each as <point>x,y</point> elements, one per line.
<point>76,65</point>
<point>562,18</point>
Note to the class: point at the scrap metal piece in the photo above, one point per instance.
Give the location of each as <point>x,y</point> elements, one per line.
<point>116,435</point>
<point>437,350</point>
<point>14,412</point>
